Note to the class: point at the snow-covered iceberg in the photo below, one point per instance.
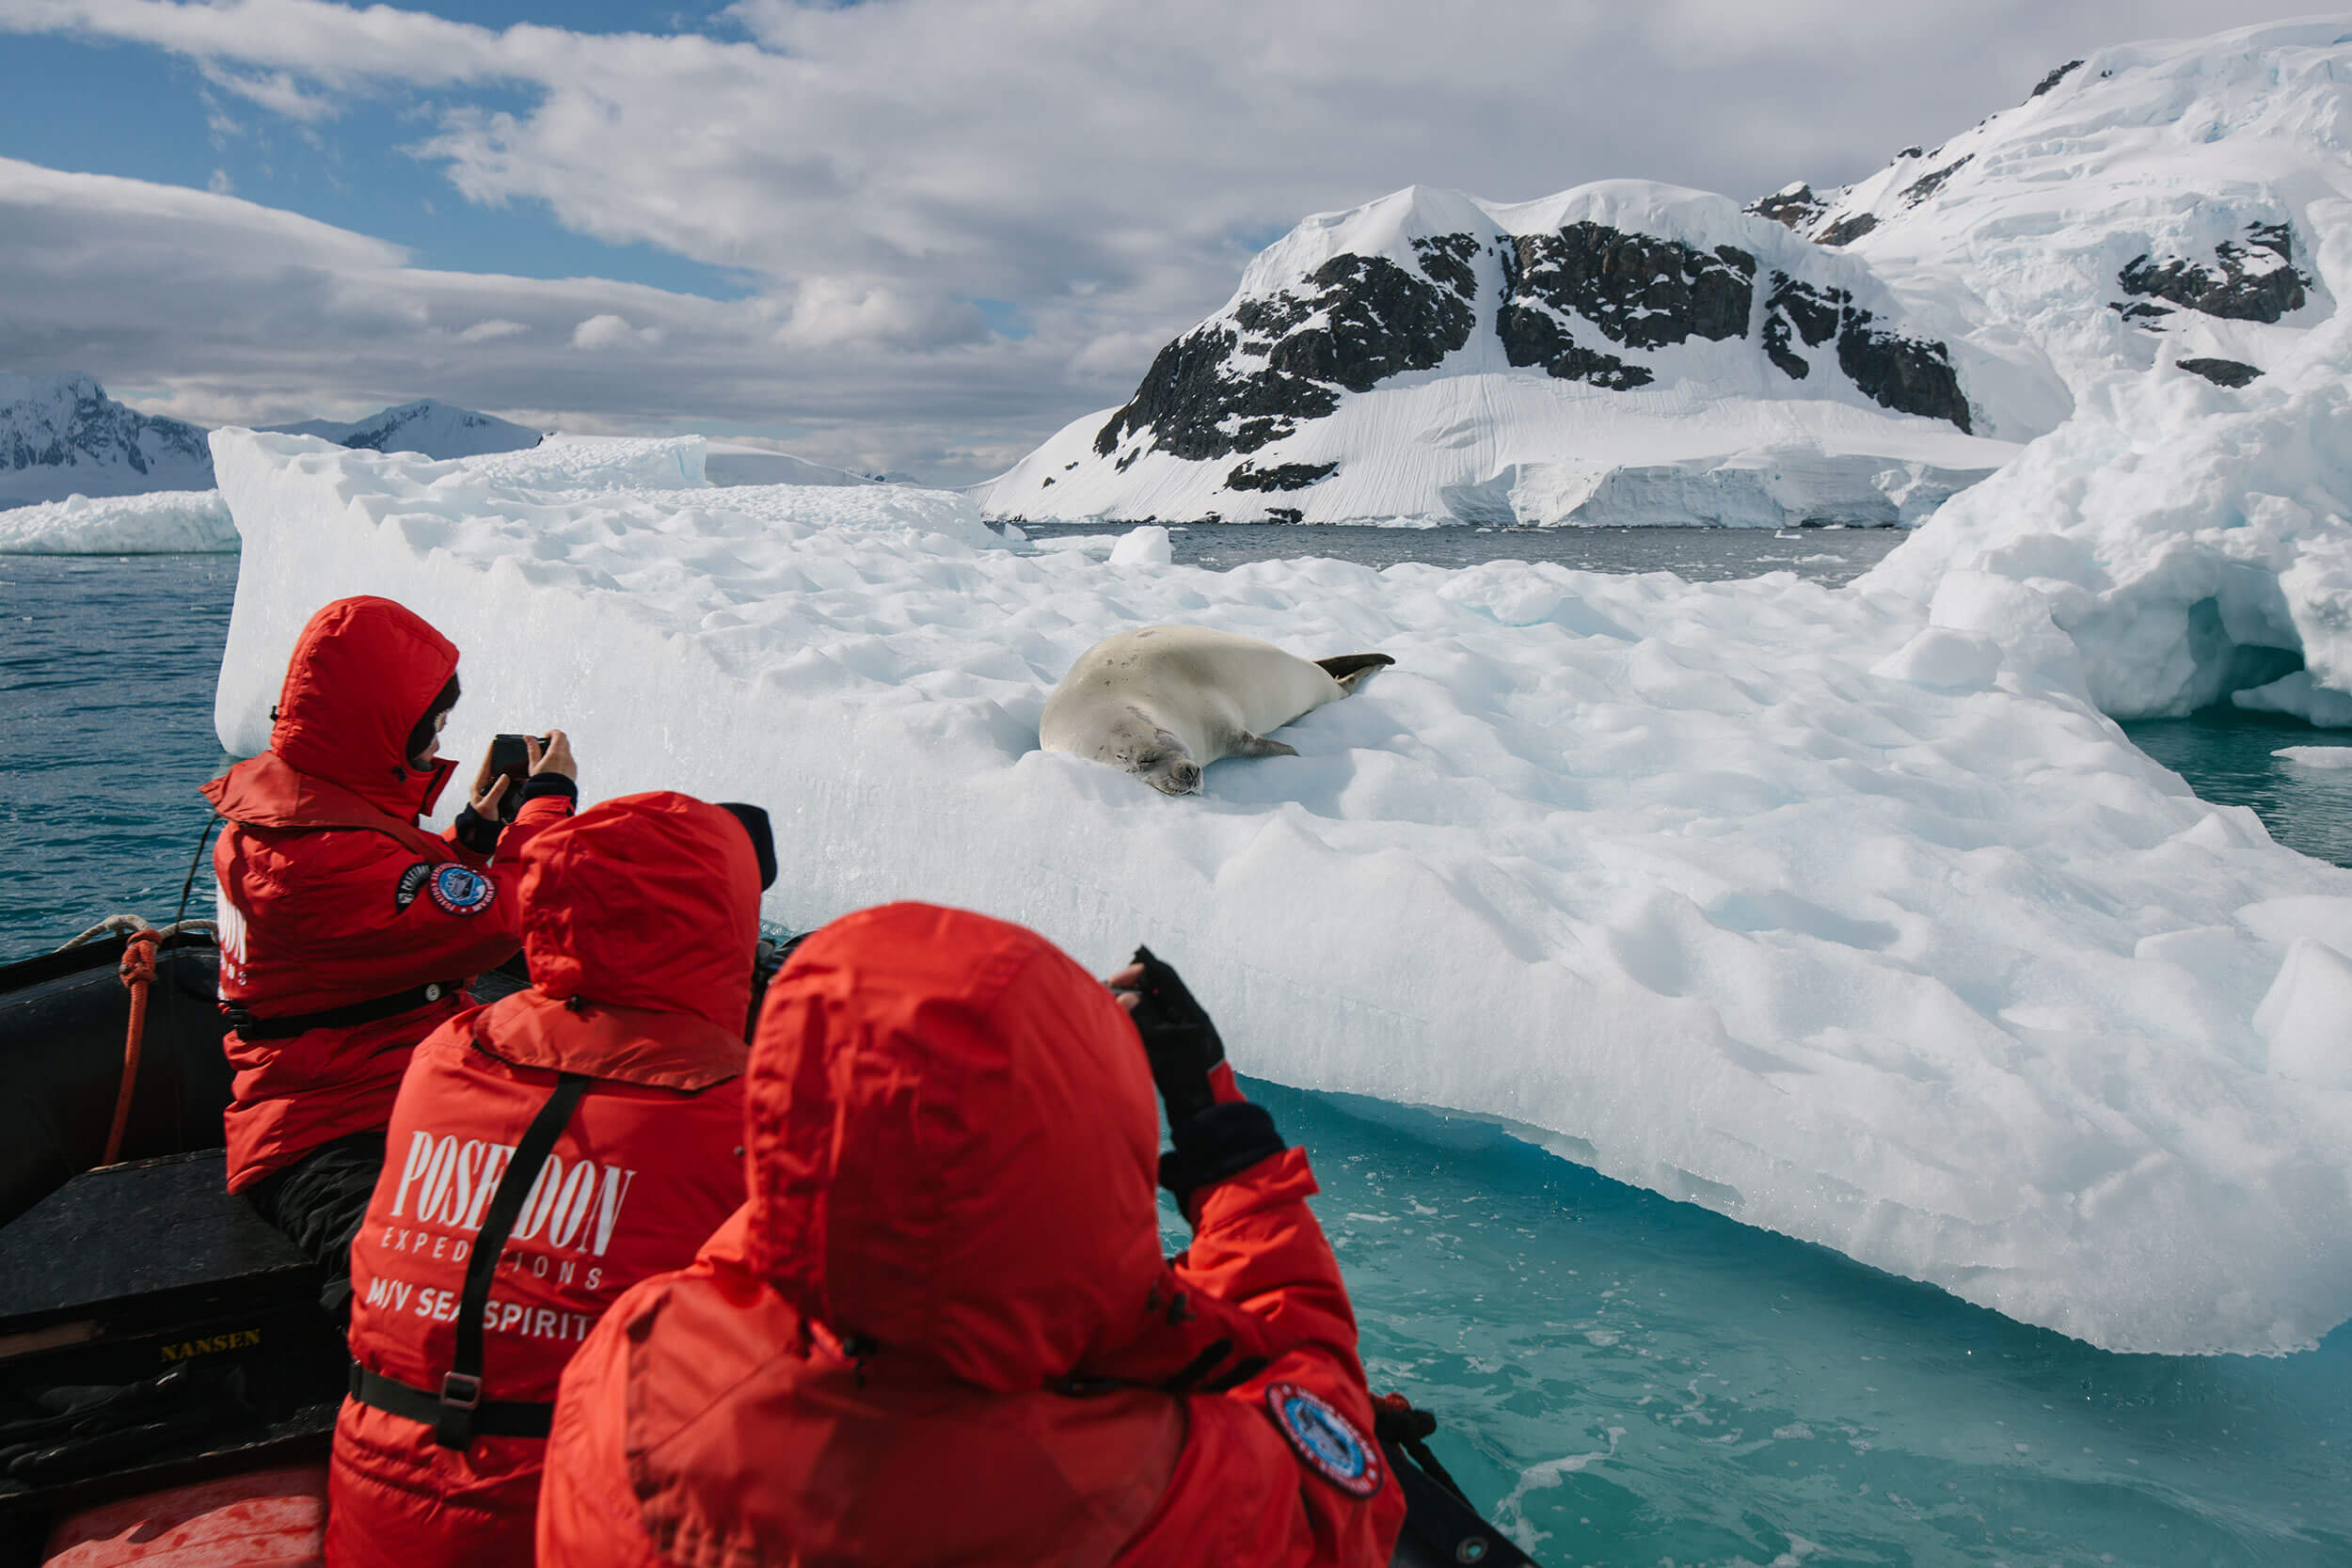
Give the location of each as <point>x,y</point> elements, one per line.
<point>162,523</point>
<point>1844,913</point>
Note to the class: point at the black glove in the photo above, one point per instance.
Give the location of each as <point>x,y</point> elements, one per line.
<point>1178,1038</point>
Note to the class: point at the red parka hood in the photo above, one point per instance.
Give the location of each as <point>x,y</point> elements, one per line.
<point>363,673</point>
<point>953,1143</point>
<point>646,901</point>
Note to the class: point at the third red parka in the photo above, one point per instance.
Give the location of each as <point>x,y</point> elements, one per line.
<point>331,895</point>
<point>640,916</point>
<point>941,1329</point>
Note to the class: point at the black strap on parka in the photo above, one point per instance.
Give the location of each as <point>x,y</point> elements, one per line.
<point>457,1411</point>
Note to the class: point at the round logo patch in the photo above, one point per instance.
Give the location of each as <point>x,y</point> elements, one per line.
<point>1327,1441</point>
<point>461,890</point>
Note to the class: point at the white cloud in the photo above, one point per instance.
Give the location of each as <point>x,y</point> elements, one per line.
<point>220,185</point>
<point>873,168</point>
<point>602,334</point>
<point>240,313</point>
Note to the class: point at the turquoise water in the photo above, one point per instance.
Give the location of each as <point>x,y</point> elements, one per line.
<point>1622,1379</point>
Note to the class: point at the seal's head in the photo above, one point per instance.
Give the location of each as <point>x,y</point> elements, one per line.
<point>1137,744</point>
<point>1171,772</point>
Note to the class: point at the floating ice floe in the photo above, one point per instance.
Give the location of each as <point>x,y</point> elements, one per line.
<point>161,522</point>
<point>2316,756</point>
<point>1846,914</point>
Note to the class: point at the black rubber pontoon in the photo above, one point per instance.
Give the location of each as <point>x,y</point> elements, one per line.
<point>62,1019</point>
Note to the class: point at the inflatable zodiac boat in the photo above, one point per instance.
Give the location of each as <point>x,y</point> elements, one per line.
<point>169,1383</point>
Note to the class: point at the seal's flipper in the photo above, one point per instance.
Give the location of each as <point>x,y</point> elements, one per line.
<point>1350,669</point>
<point>1258,746</point>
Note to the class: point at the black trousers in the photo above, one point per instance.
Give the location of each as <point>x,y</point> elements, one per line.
<point>320,1201</point>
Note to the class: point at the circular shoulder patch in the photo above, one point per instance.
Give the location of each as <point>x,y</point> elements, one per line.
<point>1327,1441</point>
<point>461,890</point>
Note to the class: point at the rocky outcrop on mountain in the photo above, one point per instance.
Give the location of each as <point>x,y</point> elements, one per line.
<point>1233,387</point>
<point>1283,476</point>
<point>2244,282</point>
<point>2222,372</point>
<point>63,436</point>
<point>1792,206</point>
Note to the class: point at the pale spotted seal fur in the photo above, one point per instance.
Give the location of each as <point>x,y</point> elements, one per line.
<point>1164,701</point>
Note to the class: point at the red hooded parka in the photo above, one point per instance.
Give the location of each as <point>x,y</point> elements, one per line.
<point>941,1329</point>
<point>331,895</point>
<point>639,917</point>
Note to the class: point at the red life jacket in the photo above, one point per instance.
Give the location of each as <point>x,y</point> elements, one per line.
<point>331,895</point>
<point>640,919</point>
<point>941,1329</point>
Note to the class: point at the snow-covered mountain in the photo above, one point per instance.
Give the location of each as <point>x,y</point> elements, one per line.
<point>63,436</point>
<point>2153,207</point>
<point>1632,352</point>
<point>428,426</point>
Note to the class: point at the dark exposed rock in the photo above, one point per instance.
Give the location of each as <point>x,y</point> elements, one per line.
<point>1910,375</point>
<point>1286,513</point>
<point>1363,319</point>
<point>2222,372</point>
<point>1534,336</point>
<point>1447,257</point>
<point>1795,309</point>
<point>1912,152</point>
<point>2051,80</point>
<point>1283,476</point>
<point>2143,312</point>
<point>2262,284</point>
<point>1927,184</point>
<point>1640,290</point>
<point>1847,231</point>
<point>1378,321</point>
<point>1795,208</point>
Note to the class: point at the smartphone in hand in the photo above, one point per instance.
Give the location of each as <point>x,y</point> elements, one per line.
<point>510,759</point>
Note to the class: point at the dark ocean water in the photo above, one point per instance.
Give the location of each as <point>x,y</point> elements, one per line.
<point>1622,1379</point>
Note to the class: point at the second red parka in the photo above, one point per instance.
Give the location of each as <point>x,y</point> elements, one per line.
<point>941,1329</point>
<point>639,917</point>
<point>331,895</point>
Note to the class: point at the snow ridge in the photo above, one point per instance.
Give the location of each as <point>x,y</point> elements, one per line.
<point>430,427</point>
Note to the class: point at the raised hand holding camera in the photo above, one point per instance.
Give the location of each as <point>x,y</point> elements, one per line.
<point>1187,1057</point>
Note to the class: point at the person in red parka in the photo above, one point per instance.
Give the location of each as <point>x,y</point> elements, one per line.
<point>348,932</point>
<point>941,1329</point>
<point>480,1269</point>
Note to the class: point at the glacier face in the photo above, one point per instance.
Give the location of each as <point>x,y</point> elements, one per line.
<point>63,436</point>
<point>1841,912</point>
<point>2154,212</point>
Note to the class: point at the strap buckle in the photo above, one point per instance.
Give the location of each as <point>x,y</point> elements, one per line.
<point>461,1396</point>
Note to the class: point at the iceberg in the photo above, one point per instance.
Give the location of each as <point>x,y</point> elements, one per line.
<point>161,522</point>
<point>1847,914</point>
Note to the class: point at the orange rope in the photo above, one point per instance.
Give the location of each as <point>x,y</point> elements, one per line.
<point>138,975</point>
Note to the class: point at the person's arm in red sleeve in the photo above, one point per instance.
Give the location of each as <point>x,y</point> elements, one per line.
<point>1258,1247</point>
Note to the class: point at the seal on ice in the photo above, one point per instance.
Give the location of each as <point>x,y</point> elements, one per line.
<point>1164,701</point>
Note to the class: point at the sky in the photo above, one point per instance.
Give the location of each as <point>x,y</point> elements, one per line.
<point>914,236</point>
